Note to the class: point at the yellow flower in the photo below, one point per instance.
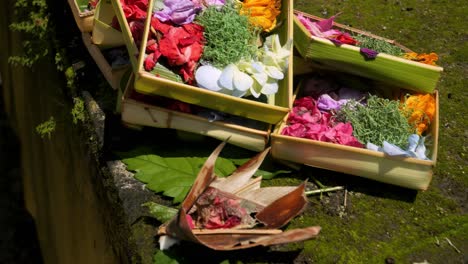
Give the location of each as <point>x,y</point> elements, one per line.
<point>262,13</point>
<point>430,58</point>
<point>421,109</point>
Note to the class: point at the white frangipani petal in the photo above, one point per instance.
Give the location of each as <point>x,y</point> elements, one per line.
<point>274,72</point>
<point>275,43</point>
<point>242,81</point>
<point>256,89</point>
<point>227,77</point>
<point>270,88</point>
<point>207,77</point>
<point>260,77</point>
<point>255,77</point>
<point>238,93</point>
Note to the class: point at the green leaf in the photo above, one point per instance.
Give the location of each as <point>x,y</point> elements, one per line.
<point>161,71</point>
<point>160,212</point>
<point>239,162</point>
<point>173,176</point>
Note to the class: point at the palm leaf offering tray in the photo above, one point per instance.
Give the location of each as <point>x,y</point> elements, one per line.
<point>161,112</point>
<point>83,13</point>
<point>113,63</point>
<point>228,56</point>
<point>361,127</point>
<point>335,46</point>
<point>104,33</point>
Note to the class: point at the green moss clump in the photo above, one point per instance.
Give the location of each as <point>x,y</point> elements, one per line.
<point>46,128</point>
<point>78,111</point>
<point>229,36</point>
<point>32,20</point>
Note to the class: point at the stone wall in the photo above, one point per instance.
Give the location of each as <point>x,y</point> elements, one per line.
<point>68,188</point>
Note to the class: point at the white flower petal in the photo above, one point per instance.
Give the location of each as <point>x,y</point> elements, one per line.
<point>242,81</point>
<point>207,77</point>
<point>271,61</point>
<point>275,43</point>
<point>274,72</point>
<point>260,77</point>
<point>238,93</point>
<point>258,66</point>
<point>256,89</point>
<point>421,150</point>
<point>244,65</point>
<point>227,77</point>
<point>270,88</point>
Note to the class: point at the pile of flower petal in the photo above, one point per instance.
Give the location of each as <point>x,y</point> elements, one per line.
<point>329,113</point>
<point>179,46</point>
<point>425,58</point>
<point>135,13</point>
<point>262,13</point>
<point>325,29</point>
<point>312,117</point>
<point>234,212</point>
<point>227,55</point>
<point>421,109</point>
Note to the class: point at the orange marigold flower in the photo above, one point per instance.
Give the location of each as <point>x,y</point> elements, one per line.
<point>425,58</point>
<point>421,109</point>
<point>262,13</point>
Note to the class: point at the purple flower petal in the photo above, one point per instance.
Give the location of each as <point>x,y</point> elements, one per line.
<point>178,11</point>
<point>326,103</point>
<point>335,41</point>
<point>368,53</point>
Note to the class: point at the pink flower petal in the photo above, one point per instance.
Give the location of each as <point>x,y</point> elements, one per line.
<point>295,130</point>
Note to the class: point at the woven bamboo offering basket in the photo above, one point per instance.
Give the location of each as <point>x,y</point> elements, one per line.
<point>394,70</point>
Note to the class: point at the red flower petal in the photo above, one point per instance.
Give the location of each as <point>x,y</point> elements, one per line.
<point>149,62</point>
<point>188,71</point>
<point>168,46</point>
<point>136,27</point>
<point>345,38</point>
<point>151,46</point>
<point>162,27</point>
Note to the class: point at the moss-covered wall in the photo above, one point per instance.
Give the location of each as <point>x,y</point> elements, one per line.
<point>62,181</point>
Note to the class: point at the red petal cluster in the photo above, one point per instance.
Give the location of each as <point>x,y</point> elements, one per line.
<point>217,211</point>
<point>345,38</point>
<point>134,9</point>
<point>181,46</point>
<point>135,13</point>
<point>307,121</point>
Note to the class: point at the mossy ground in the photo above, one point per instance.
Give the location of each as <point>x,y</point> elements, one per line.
<point>381,221</point>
